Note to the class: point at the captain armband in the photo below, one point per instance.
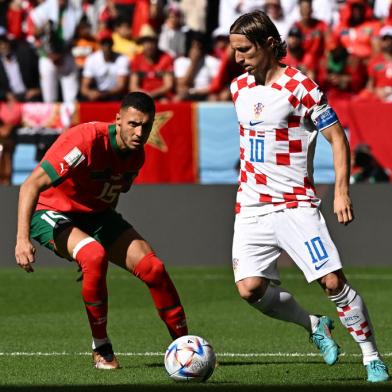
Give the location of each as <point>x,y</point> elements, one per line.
<point>326,119</point>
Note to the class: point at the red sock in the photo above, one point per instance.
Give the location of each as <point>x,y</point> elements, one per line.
<point>152,271</point>
<point>92,258</point>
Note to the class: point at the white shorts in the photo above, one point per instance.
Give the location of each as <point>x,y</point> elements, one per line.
<point>301,232</point>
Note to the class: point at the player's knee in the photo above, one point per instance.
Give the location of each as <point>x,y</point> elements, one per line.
<point>150,270</point>
<point>92,258</point>
<point>251,290</point>
<point>333,282</point>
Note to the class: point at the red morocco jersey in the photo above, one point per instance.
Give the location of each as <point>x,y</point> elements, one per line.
<point>277,141</point>
<point>87,169</point>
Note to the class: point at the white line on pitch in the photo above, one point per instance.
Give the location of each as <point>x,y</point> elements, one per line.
<point>157,354</point>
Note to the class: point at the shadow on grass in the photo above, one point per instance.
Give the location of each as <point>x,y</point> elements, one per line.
<point>199,387</point>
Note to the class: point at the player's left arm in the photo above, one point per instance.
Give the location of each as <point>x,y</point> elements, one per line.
<point>343,207</point>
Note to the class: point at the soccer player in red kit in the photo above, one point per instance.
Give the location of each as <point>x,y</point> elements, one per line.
<point>68,205</point>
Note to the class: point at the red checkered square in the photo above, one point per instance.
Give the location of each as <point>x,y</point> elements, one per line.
<point>293,100</point>
<point>294,121</point>
<point>276,86</point>
<point>308,84</point>
<point>242,131</point>
<point>298,190</point>
<point>291,85</point>
<point>244,176</point>
<point>308,101</point>
<point>295,146</point>
<point>242,82</point>
<point>265,198</point>
<point>237,208</point>
<point>283,159</point>
<point>252,133</point>
<point>291,71</point>
<point>242,153</point>
<point>282,135</point>
<point>292,204</point>
<point>235,96</point>
<point>249,167</point>
<point>261,179</point>
<point>289,196</point>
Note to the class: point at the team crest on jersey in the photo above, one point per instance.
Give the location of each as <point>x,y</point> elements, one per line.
<point>257,109</point>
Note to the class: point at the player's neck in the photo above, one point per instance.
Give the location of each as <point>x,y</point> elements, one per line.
<point>270,75</point>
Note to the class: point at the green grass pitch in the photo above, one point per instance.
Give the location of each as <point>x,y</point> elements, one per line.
<point>45,340</point>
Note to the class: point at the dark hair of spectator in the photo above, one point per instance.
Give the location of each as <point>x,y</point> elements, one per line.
<point>257,28</point>
<point>122,20</point>
<point>199,37</point>
<point>139,101</point>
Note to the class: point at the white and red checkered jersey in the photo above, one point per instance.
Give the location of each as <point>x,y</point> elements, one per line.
<point>278,130</point>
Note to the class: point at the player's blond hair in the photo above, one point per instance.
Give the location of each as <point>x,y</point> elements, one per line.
<point>257,28</point>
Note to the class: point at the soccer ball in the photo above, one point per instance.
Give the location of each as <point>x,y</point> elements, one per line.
<point>190,358</point>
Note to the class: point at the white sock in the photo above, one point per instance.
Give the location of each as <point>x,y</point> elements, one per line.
<point>355,318</point>
<point>280,304</point>
<point>99,342</point>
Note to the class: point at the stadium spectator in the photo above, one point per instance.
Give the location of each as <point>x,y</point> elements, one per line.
<point>152,70</point>
<point>195,72</point>
<point>341,74</point>
<point>280,111</point>
<point>220,43</point>
<point>16,18</point>
<point>366,168</point>
<point>357,29</point>
<point>10,119</point>
<point>84,43</point>
<point>228,70</point>
<point>230,10</point>
<point>313,32</point>
<point>105,74</point>
<point>274,10</point>
<point>296,55</point>
<point>123,41</point>
<point>19,77</point>
<point>172,36</point>
<point>107,15</point>
<point>379,85</point>
<point>68,205</point>
<point>55,23</point>
<point>324,10</point>
<point>195,14</point>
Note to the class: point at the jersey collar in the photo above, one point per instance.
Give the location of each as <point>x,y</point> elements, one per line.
<point>113,140</point>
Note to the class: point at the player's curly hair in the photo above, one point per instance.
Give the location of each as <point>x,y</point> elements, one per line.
<point>257,27</point>
<point>140,101</point>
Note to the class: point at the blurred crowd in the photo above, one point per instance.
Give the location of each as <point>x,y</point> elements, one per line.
<point>95,50</point>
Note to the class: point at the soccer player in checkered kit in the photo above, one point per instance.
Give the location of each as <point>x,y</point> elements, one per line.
<point>68,205</point>
<point>280,111</point>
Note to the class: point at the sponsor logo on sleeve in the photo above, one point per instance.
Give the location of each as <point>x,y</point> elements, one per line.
<point>74,157</point>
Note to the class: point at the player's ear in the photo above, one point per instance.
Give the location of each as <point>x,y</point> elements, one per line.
<point>118,118</point>
<point>270,42</point>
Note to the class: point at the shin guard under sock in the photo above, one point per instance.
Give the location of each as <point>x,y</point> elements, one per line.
<point>152,271</point>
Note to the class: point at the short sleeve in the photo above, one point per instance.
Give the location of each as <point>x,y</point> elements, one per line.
<point>180,67</point>
<point>122,65</point>
<point>67,153</point>
<point>322,115</point>
<point>88,69</point>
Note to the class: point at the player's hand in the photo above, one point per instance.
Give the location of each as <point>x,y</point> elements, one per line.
<point>343,209</point>
<point>24,254</point>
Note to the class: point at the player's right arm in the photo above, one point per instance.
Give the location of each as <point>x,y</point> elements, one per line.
<point>29,192</point>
